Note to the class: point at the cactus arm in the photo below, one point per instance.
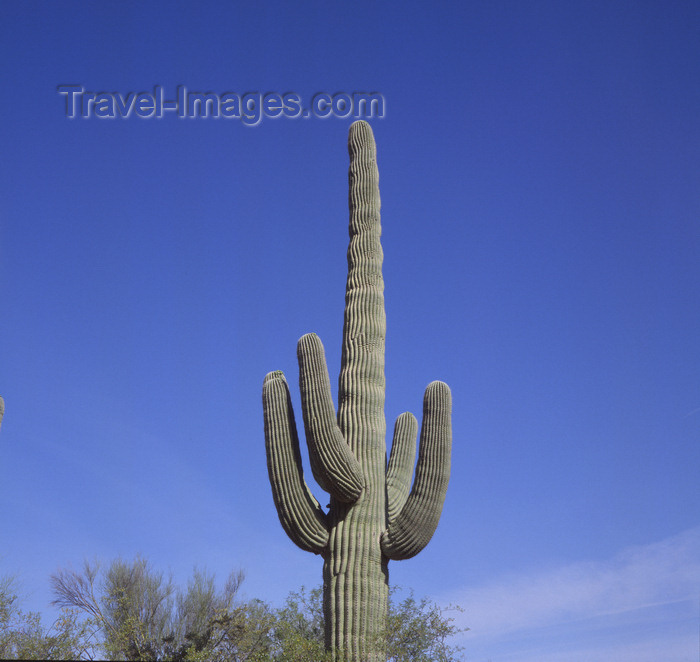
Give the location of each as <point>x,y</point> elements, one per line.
<point>299,512</point>
<point>400,469</point>
<point>414,527</point>
<point>333,464</point>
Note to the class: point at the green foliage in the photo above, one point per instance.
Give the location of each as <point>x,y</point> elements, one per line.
<point>137,605</point>
<point>131,612</point>
<point>419,631</point>
<point>298,634</point>
<point>142,616</point>
<point>23,637</point>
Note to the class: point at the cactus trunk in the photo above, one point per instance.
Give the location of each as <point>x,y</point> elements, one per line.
<point>374,515</point>
<point>356,584</point>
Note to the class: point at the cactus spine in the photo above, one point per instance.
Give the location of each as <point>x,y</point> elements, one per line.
<point>374,514</point>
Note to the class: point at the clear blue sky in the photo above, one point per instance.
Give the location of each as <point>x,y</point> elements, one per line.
<point>539,171</point>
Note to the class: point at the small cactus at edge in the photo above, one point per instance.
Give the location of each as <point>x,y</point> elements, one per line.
<point>374,515</point>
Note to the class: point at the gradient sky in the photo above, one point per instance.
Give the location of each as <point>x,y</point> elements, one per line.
<point>539,167</point>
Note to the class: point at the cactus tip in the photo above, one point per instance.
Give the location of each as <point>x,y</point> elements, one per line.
<point>360,134</point>
<point>275,374</point>
<point>437,385</point>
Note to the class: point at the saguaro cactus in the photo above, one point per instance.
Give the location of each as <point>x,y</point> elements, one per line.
<point>374,514</point>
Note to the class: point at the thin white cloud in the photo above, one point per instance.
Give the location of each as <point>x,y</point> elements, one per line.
<point>645,649</point>
<point>634,591</point>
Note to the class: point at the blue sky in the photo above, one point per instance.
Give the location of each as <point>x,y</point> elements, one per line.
<point>539,167</point>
